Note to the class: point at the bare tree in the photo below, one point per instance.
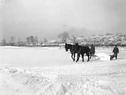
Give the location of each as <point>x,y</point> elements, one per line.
<point>28,40</point>
<point>74,39</point>
<point>45,40</point>
<point>4,42</point>
<point>31,40</point>
<point>36,40</point>
<point>12,41</point>
<point>64,36</point>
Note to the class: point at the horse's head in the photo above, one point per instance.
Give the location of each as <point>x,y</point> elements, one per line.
<point>76,44</point>
<point>66,47</point>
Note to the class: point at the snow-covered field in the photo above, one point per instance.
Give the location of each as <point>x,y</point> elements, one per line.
<point>50,71</point>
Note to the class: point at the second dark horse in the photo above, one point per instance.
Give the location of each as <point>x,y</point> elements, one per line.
<point>79,50</point>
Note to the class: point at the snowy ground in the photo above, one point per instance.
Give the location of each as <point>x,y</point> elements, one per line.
<point>50,71</point>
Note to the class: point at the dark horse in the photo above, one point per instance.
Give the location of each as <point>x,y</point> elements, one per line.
<point>83,50</point>
<point>79,50</point>
<point>73,49</point>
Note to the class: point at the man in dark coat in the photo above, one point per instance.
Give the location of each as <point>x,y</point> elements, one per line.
<point>115,51</point>
<point>92,50</point>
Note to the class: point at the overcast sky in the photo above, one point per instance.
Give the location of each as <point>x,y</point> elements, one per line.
<point>47,18</point>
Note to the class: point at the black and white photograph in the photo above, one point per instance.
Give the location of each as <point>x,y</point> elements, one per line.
<point>62,47</point>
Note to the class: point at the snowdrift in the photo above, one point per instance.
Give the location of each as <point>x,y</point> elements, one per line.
<point>15,81</point>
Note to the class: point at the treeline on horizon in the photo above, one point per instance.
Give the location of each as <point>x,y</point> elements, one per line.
<point>98,40</point>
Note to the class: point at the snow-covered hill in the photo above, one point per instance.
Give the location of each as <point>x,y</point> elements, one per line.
<point>105,39</point>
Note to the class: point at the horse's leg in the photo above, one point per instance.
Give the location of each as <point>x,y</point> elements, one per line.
<point>88,55</point>
<point>72,56</point>
<point>82,57</point>
<point>78,56</point>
